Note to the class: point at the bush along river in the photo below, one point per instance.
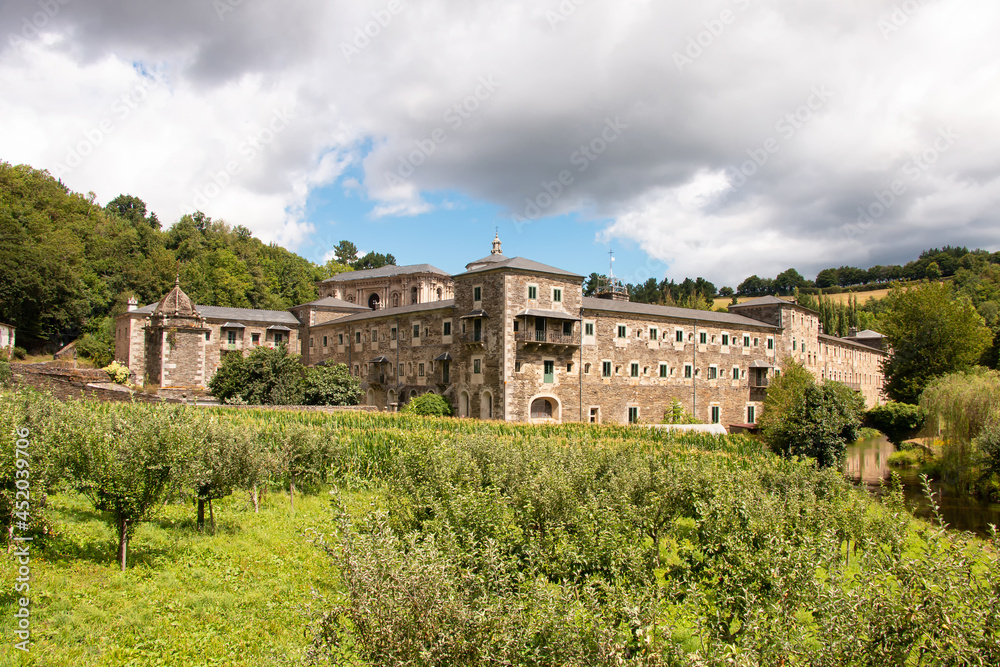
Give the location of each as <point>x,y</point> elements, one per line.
<point>867,463</point>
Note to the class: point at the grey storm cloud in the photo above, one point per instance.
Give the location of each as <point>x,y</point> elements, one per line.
<point>725,138</point>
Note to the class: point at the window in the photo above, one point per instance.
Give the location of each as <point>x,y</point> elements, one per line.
<point>517,325</point>
<point>703,338</point>
<point>688,370</point>
<point>549,370</point>
<point>746,341</point>
<point>679,335</point>
<point>638,333</point>
<point>569,367</point>
<point>477,293</point>
<point>725,340</point>
<point>447,328</point>
<point>517,366</point>
<point>532,292</point>
<point>653,333</point>
<point>586,369</point>
<point>634,370</point>
<point>567,328</point>
<point>736,372</point>
<point>770,343</point>
<point>231,338</point>
<point>278,337</point>
<point>794,344</point>
<point>324,341</point>
<point>420,370</point>
<point>357,372</point>
<point>374,335</point>
<point>715,414</point>
<point>756,342</point>
<point>208,335</point>
<point>633,415</point>
<point>357,337</point>
<point>416,331</point>
<point>713,372</point>
<point>751,414</point>
<point>340,339</point>
<point>477,366</point>
<point>556,294</point>
<point>589,328</point>
<point>606,369</point>
<point>664,370</point>
<point>621,330</point>
<point>255,339</point>
<point>392,333</point>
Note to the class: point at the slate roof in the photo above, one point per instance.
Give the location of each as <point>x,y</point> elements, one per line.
<point>522,264</point>
<point>849,341</point>
<point>489,259</point>
<point>768,301</point>
<point>551,314</point>
<point>867,333</point>
<point>385,272</point>
<point>230,314</point>
<point>610,305</point>
<point>330,302</point>
<point>392,312</point>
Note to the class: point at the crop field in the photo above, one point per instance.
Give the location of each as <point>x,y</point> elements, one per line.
<point>377,539</point>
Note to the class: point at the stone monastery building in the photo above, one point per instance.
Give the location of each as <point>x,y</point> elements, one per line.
<point>511,339</point>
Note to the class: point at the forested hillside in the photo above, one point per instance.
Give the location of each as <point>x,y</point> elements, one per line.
<point>68,265</point>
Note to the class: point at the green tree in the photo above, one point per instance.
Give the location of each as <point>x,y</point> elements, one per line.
<point>224,458</point>
<point>930,333</point>
<point>331,384</point>
<point>125,464</point>
<point>345,252</point>
<point>801,418</point>
<point>373,260</point>
<point>897,421</point>
<point>268,376</point>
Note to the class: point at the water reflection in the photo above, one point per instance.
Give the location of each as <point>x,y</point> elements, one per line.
<point>867,463</point>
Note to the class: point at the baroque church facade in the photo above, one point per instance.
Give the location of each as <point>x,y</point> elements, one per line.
<point>511,339</point>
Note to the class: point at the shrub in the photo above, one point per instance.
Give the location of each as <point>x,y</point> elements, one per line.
<point>676,414</point>
<point>6,374</point>
<point>118,373</point>
<point>269,376</point>
<point>429,404</point>
<point>331,384</point>
<point>20,353</point>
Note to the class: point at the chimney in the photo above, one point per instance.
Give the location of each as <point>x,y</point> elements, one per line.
<point>852,332</point>
<point>132,304</point>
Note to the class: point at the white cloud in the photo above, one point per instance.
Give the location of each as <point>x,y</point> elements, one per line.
<point>495,101</point>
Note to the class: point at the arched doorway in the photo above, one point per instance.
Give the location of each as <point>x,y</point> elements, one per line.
<point>463,404</point>
<point>390,399</point>
<point>370,399</point>
<point>374,301</point>
<point>486,405</point>
<point>544,409</point>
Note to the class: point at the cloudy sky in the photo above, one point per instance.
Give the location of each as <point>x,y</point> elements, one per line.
<point>716,139</point>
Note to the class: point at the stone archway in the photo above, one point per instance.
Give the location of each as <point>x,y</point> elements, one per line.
<point>463,404</point>
<point>374,301</point>
<point>544,408</point>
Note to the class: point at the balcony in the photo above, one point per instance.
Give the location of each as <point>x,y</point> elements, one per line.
<point>472,338</point>
<point>537,337</point>
<point>759,382</point>
<point>376,377</point>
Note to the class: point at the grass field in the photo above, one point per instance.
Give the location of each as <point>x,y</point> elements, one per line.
<point>239,597</point>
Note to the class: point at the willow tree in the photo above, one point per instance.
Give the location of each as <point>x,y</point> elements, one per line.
<point>965,409</point>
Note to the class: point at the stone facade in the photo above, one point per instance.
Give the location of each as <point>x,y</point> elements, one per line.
<point>517,340</point>
<point>7,339</point>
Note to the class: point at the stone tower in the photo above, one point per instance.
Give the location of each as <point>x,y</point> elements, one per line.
<point>176,338</point>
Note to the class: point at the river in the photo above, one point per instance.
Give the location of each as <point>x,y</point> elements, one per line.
<point>867,463</point>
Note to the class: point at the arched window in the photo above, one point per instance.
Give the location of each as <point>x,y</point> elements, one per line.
<point>541,408</point>
<point>373,301</point>
<point>413,295</point>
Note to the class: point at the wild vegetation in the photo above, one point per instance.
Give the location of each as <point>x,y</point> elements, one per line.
<point>463,542</point>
